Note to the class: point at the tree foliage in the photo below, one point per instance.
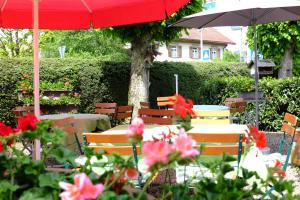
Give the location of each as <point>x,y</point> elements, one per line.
<point>83,43</point>
<point>275,38</point>
<point>158,31</point>
<point>15,42</point>
<point>229,56</point>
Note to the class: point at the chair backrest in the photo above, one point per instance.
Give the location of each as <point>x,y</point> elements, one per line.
<point>236,104</point>
<point>124,112</point>
<point>236,107</point>
<point>288,127</point>
<point>289,124</point>
<point>21,111</point>
<point>211,117</point>
<point>145,105</point>
<point>219,143</point>
<point>156,116</point>
<point>106,108</point>
<point>165,101</point>
<point>107,143</point>
<point>230,100</point>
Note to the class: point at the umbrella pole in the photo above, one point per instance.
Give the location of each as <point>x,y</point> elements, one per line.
<point>256,77</point>
<point>37,144</point>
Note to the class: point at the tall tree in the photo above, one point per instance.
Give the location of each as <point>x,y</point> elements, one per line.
<point>144,39</point>
<point>84,44</point>
<point>280,42</point>
<point>15,43</point>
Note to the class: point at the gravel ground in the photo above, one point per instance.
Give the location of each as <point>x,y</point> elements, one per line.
<point>292,173</point>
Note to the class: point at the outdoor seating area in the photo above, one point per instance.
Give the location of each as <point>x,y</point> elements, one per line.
<point>142,100</point>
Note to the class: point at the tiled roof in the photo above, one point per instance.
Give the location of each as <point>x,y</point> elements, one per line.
<point>210,35</point>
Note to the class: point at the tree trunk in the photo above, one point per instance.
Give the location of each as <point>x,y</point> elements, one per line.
<point>287,63</point>
<point>139,79</point>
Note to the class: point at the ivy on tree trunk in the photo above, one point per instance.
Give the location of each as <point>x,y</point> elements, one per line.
<point>139,76</point>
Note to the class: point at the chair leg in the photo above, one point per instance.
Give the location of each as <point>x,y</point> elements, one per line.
<point>78,144</point>
<point>136,164</point>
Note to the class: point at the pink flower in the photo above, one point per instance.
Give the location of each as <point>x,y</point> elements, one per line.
<point>83,189</point>
<point>184,144</point>
<point>155,152</point>
<point>136,128</point>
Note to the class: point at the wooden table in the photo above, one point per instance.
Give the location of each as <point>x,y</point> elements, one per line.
<point>152,130</point>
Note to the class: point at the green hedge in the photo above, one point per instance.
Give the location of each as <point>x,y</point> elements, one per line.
<point>281,96</point>
<point>205,83</point>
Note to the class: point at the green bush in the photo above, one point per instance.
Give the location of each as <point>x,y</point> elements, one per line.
<point>8,95</point>
<point>281,96</point>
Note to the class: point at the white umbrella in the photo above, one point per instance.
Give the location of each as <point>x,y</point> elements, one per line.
<point>245,13</point>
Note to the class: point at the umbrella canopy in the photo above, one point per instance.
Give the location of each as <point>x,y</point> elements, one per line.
<point>246,13</point>
<point>78,14</point>
<point>82,14</point>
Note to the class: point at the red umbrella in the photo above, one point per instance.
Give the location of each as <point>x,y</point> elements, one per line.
<point>82,14</point>
<point>78,14</point>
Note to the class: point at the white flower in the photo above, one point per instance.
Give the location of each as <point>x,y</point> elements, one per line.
<point>45,97</point>
<point>254,162</point>
<point>81,160</point>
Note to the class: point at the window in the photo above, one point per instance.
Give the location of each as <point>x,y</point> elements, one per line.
<point>195,53</point>
<point>213,54</point>
<point>174,52</point>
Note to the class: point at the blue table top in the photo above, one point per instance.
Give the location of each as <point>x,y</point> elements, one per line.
<point>210,107</point>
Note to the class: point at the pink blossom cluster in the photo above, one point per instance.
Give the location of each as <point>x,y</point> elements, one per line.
<point>159,151</point>
<point>82,189</point>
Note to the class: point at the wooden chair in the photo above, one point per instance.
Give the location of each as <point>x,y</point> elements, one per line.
<point>215,145</point>
<point>124,112</point>
<point>144,105</point>
<point>219,143</point>
<point>211,117</point>
<point>21,111</point>
<point>228,101</point>
<point>107,143</point>
<point>68,126</point>
<point>156,116</point>
<point>288,127</point>
<point>106,108</point>
<point>109,109</point>
<point>164,102</point>
<point>236,105</point>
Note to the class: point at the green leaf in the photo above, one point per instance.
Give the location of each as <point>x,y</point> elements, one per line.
<point>50,180</point>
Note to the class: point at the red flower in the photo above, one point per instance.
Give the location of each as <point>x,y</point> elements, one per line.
<point>256,136</point>
<point>281,173</point>
<point>182,107</point>
<point>1,146</point>
<point>27,123</point>
<point>277,163</point>
<point>261,141</point>
<point>131,174</point>
<point>6,131</point>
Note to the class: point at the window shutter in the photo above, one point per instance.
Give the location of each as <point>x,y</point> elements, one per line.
<point>169,51</point>
<point>179,53</point>
<point>191,52</point>
<point>199,53</point>
<point>218,53</point>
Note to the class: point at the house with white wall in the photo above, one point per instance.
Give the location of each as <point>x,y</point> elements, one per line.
<point>188,47</point>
